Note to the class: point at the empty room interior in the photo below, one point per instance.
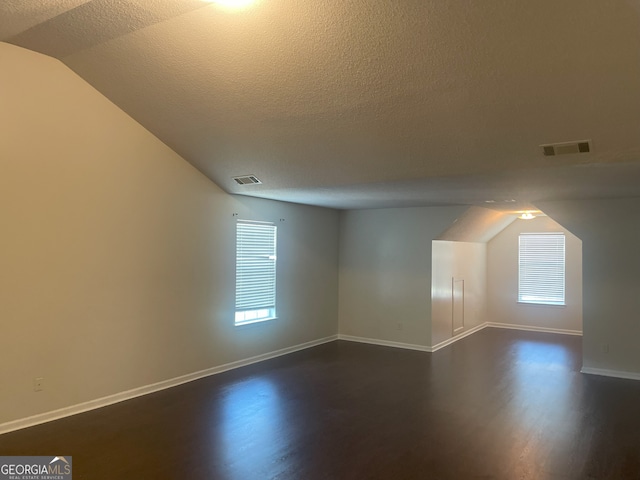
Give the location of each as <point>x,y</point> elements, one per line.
<point>280,239</point>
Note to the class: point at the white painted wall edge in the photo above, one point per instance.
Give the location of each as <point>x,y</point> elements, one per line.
<point>610,373</point>
<point>384,343</point>
<point>145,390</point>
<point>533,329</point>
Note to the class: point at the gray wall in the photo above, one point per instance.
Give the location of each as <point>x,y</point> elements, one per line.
<point>117,256</point>
<point>610,234</point>
<point>385,271</point>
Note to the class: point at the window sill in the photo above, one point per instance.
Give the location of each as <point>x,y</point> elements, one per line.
<point>253,322</point>
<point>531,304</point>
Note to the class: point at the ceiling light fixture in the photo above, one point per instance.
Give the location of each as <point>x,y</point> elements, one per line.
<point>527,216</point>
<point>233,4</point>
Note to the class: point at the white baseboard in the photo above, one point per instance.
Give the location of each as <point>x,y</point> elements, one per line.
<point>384,343</point>
<point>460,336</point>
<point>145,390</point>
<point>528,328</point>
<point>471,331</point>
<point>411,346</point>
<point>610,373</point>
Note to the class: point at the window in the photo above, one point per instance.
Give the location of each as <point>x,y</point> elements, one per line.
<point>255,272</point>
<point>541,268</point>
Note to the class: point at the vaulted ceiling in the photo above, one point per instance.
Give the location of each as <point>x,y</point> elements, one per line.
<point>359,104</point>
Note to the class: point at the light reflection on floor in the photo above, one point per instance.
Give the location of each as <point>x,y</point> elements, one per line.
<point>532,355</point>
<point>542,383</point>
<point>251,426</point>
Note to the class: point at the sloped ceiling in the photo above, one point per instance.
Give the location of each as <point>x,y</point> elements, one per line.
<point>478,225</point>
<point>359,104</point>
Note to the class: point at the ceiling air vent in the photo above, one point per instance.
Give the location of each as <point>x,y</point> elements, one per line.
<point>566,148</point>
<point>247,180</point>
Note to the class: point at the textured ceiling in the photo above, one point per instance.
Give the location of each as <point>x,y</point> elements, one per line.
<point>359,104</point>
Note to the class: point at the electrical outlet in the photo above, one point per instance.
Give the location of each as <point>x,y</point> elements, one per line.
<point>604,348</point>
<point>37,384</point>
<point>399,326</point>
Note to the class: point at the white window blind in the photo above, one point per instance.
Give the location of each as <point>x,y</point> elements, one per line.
<point>541,268</point>
<point>255,271</point>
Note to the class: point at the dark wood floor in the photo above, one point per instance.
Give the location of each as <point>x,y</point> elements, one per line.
<point>500,404</point>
